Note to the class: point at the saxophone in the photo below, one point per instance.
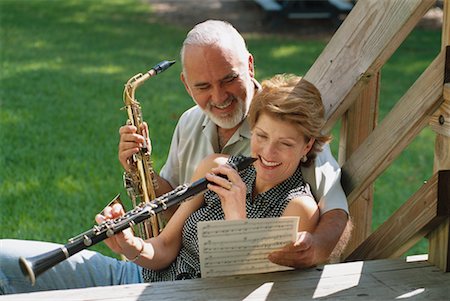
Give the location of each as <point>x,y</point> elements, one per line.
<point>140,182</point>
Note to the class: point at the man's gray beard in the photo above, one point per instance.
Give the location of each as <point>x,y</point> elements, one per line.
<point>228,122</point>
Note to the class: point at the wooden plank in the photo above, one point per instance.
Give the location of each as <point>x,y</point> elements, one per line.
<point>414,289</point>
<point>405,227</point>
<point>439,240</point>
<point>395,132</point>
<point>439,248</point>
<point>357,123</point>
<point>378,279</point>
<point>369,35</point>
<point>446,25</point>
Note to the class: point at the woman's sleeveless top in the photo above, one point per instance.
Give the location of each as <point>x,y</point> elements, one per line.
<point>271,203</point>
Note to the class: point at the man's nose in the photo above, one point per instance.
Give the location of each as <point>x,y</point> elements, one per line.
<point>219,94</point>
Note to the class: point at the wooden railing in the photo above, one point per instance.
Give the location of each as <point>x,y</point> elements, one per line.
<point>347,73</point>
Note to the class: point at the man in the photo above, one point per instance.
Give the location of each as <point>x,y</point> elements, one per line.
<point>218,73</point>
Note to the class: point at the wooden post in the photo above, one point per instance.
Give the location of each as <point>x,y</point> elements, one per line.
<point>419,215</point>
<point>439,239</point>
<point>408,117</point>
<point>357,123</point>
<point>368,37</point>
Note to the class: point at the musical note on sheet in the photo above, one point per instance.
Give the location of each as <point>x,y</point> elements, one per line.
<point>241,246</point>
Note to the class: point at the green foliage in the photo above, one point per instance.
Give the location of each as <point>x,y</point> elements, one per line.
<point>63,68</point>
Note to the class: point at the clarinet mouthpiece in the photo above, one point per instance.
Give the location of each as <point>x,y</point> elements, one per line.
<point>243,163</point>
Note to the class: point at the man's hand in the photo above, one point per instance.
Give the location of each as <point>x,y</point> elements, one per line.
<point>315,248</point>
<point>300,254</point>
<point>130,143</point>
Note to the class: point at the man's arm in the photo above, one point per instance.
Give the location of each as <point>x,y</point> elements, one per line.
<point>331,235</point>
<point>315,248</point>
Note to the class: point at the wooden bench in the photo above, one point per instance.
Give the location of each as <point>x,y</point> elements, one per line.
<point>269,5</point>
<point>385,279</point>
<point>330,9</point>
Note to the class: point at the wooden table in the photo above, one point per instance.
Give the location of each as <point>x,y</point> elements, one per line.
<point>385,279</point>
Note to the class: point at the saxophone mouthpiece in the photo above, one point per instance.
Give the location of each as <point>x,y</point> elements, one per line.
<point>162,66</point>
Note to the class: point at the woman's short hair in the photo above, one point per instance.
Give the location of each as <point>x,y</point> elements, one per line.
<point>293,99</point>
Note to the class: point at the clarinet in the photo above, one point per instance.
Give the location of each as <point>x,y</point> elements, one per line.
<point>34,266</point>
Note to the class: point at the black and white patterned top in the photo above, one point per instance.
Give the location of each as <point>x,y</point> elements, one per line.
<point>268,204</point>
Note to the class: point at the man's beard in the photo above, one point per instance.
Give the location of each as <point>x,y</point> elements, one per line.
<point>228,121</point>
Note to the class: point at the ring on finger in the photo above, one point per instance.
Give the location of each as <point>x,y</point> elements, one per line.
<point>230,185</point>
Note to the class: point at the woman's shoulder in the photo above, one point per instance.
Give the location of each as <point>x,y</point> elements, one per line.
<point>303,201</point>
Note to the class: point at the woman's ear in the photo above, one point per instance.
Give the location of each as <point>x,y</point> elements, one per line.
<point>309,145</point>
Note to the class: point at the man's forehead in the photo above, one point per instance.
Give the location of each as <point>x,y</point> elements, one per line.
<point>207,64</point>
<point>212,51</point>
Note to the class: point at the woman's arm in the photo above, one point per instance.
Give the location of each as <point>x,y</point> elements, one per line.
<point>306,208</point>
<point>158,252</point>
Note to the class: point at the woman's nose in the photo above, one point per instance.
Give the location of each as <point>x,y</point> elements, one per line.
<point>270,150</point>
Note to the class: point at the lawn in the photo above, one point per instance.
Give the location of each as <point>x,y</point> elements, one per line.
<point>63,68</point>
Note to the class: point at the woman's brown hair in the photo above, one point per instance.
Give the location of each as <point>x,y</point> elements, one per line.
<point>294,99</point>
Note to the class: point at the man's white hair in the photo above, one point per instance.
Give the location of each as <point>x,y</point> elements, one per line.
<point>218,33</point>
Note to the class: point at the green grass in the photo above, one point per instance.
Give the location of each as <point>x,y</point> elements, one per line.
<point>63,68</point>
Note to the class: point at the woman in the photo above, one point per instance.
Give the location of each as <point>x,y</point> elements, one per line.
<point>286,118</point>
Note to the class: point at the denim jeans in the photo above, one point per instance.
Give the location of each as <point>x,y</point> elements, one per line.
<point>84,269</point>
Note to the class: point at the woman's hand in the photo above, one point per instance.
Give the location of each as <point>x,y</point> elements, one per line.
<point>231,190</point>
<point>123,242</point>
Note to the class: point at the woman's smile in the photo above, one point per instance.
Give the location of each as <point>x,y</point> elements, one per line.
<point>268,164</point>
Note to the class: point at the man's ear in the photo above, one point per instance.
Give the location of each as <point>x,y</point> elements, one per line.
<point>183,79</point>
<point>251,65</point>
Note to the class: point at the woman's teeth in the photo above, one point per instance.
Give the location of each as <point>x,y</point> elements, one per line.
<point>269,164</point>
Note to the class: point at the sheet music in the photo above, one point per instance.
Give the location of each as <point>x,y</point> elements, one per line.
<point>241,246</point>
